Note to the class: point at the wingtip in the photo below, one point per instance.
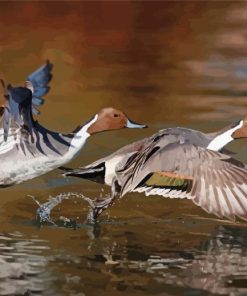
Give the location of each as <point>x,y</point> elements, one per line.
<point>49,64</point>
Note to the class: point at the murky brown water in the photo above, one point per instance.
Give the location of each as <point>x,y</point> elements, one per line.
<point>166,64</point>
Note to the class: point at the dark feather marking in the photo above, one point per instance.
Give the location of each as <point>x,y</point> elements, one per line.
<point>58,138</point>
<point>97,176</point>
<point>48,143</point>
<point>158,137</point>
<point>235,162</point>
<point>151,153</point>
<point>28,146</point>
<point>23,148</point>
<point>189,186</point>
<point>38,143</point>
<point>129,162</point>
<point>1,110</point>
<point>6,123</point>
<point>69,136</point>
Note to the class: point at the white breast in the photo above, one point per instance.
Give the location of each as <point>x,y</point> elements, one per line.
<point>15,171</point>
<point>110,169</point>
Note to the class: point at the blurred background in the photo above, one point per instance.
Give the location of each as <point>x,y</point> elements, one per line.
<point>164,64</point>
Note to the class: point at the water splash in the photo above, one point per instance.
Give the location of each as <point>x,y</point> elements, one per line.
<point>44,210</point>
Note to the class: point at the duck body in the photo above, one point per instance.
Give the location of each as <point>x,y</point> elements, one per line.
<point>105,169</point>
<point>176,163</point>
<point>27,149</point>
<point>25,157</point>
<point>212,180</point>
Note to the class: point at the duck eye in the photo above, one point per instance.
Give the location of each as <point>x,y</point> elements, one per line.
<point>116,115</point>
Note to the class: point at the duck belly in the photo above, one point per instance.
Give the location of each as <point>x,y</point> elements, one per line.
<point>19,170</point>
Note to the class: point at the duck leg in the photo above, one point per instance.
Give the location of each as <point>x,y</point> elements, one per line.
<point>98,206</point>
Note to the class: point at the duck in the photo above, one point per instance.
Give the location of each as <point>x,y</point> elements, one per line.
<point>176,163</point>
<point>28,149</point>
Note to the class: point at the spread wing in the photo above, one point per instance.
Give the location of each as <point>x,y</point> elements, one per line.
<point>21,102</point>
<point>17,110</point>
<point>212,180</point>
<point>38,82</point>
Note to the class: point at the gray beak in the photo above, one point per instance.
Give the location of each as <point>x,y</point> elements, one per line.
<point>131,124</point>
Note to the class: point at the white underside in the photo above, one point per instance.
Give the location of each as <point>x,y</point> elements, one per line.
<point>28,167</point>
<point>21,167</point>
<point>110,169</point>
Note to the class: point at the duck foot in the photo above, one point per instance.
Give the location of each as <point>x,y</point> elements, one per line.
<point>98,206</point>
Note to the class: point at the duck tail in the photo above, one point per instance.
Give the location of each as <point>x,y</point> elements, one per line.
<point>62,168</point>
<point>95,174</point>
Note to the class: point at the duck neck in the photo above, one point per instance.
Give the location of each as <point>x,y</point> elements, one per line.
<point>223,138</point>
<point>81,135</point>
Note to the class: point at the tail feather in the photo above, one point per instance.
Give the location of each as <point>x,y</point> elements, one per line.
<point>96,174</point>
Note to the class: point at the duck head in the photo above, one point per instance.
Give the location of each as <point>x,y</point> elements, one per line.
<point>111,119</point>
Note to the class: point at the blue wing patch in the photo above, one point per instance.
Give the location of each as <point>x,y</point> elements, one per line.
<point>40,80</point>
<point>22,101</point>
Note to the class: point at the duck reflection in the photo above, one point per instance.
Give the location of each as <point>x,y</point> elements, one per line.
<point>217,266</point>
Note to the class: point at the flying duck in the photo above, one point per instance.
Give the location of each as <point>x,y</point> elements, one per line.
<point>27,149</point>
<point>176,163</point>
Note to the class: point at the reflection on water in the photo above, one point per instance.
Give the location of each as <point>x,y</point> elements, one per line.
<point>23,266</point>
<point>163,63</point>
<point>219,266</point>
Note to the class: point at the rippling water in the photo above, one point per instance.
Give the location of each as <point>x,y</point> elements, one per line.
<point>165,64</point>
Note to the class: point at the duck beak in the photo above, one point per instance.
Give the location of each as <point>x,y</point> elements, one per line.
<point>132,124</point>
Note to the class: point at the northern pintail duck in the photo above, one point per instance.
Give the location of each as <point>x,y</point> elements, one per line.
<point>176,163</point>
<point>27,149</point>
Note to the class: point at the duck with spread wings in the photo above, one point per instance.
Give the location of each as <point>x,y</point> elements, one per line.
<point>176,163</point>
<point>27,149</point>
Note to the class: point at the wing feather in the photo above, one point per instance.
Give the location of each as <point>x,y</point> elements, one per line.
<point>39,83</point>
<point>214,181</point>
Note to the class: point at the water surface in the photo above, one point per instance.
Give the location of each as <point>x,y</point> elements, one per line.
<point>165,64</point>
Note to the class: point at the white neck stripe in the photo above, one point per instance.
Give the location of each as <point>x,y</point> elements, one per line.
<point>80,138</point>
<point>223,139</point>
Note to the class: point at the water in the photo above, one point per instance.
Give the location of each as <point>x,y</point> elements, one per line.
<point>164,64</point>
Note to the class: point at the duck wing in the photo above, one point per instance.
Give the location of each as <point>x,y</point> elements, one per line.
<point>17,110</point>
<point>21,102</point>
<point>212,180</point>
<point>38,82</point>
